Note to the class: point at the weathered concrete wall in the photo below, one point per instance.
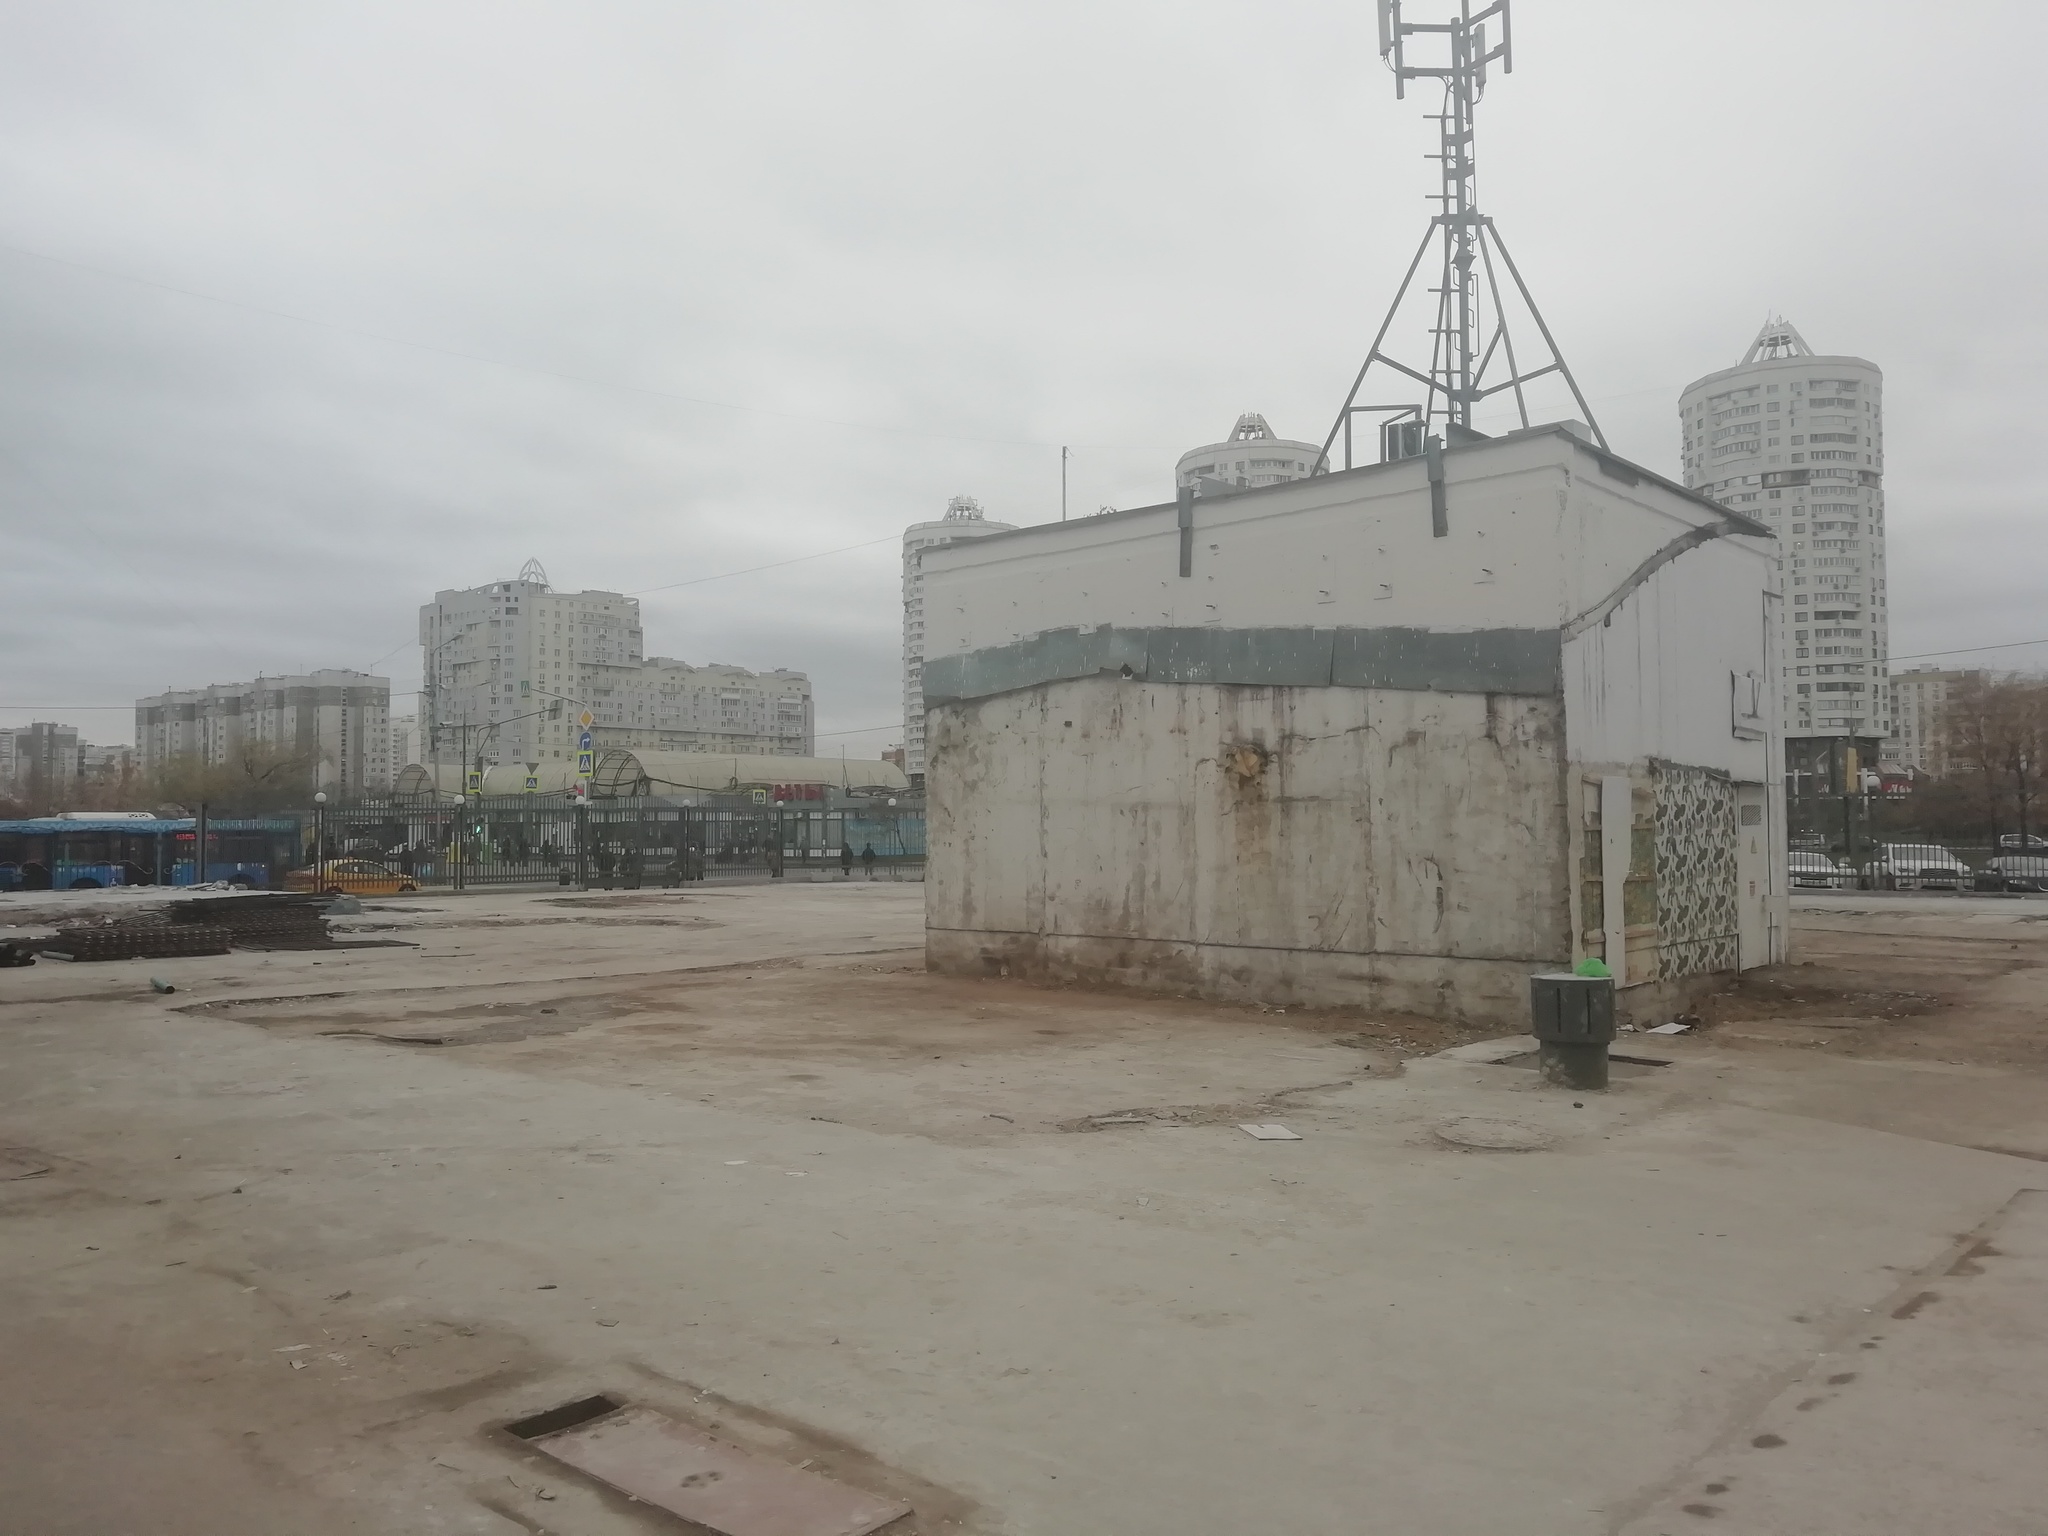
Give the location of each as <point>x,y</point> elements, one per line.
<point>1397,849</point>
<point>1673,683</point>
<point>1610,629</point>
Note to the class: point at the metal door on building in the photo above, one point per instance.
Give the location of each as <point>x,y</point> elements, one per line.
<point>1754,837</point>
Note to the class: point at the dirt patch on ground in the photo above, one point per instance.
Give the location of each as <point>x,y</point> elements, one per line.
<point>1967,990</point>
<point>1277,1102</point>
<point>874,1039</point>
<point>625,899</point>
<point>1808,991</point>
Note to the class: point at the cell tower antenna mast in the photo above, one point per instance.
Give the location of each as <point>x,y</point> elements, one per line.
<point>1472,353</point>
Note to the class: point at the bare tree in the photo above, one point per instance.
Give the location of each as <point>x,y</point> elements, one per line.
<point>1997,731</point>
<point>259,776</point>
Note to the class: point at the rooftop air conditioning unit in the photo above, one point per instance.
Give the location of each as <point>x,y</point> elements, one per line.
<point>1401,440</point>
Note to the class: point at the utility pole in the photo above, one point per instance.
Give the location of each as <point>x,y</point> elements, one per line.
<point>1851,781</point>
<point>1065,454</point>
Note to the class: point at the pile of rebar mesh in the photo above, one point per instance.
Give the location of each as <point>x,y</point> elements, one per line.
<point>259,920</point>
<point>136,939</point>
<point>200,925</point>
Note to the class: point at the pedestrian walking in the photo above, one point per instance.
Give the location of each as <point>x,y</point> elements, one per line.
<point>867,860</point>
<point>846,861</point>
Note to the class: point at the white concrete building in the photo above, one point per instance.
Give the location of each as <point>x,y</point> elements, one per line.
<point>1796,440</point>
<point>964,519</point>
<point>40,760</point>
<point>500,657</point>
<point>338,720</point>
<point>406,744</point>
<point>1920,698</point>
<point>1397,736</point>
<point>115,765</point>
<point>1251,456</point>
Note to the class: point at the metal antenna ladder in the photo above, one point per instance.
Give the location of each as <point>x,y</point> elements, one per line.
<point>1461,373</point>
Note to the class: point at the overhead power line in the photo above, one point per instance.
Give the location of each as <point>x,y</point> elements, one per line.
<point>1969,650</point>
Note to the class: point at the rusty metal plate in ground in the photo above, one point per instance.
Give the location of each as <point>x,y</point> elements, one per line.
<point>668,1464</point>
<point>1485,1135</point>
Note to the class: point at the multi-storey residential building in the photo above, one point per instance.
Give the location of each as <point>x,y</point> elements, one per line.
<point>1251,456</point>
<point>39,760</point>
<point>512,666</point>
<point>405,744</point>
<point>111,766</point>
<point>1920,697</point>
<point>1796,440</point>
<point>964,519</point>
<point>50,761</point>
<point>338,720</point>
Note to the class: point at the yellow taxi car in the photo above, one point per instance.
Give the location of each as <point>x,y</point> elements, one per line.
<point>350,877</point>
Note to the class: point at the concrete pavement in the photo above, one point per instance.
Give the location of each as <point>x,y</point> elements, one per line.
<point>875,1247</point>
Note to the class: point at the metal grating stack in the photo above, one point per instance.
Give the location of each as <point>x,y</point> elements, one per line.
<point>200,925</point>
<point>139,940</point>
<point>260,920</point>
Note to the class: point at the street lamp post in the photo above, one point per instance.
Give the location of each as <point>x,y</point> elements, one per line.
<point>320,834</point>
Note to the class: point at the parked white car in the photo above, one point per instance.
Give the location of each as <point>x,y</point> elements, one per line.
<point>1809,869</point>
<point>2022,871</point>
<point>1916,867</point>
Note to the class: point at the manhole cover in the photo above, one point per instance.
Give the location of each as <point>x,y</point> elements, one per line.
<point>1491,1135</point>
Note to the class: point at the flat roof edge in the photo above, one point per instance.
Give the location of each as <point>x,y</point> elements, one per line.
<point>1746,525</point>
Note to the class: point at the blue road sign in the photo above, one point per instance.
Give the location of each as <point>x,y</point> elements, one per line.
<point>583,742</point>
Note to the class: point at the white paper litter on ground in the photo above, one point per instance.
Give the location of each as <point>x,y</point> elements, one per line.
<point>1272,1131</point>
<point>1667,1029</point>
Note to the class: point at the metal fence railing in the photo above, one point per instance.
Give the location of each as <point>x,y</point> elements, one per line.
<point>1920,863</point>
<point>515,840</point>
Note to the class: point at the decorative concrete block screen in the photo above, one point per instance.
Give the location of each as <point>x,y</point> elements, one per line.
<point>1696,886</point>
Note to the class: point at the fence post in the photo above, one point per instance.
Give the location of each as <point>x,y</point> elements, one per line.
<point>582,846</point>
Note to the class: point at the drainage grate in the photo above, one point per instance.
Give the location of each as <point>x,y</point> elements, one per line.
<point>568,1416</point>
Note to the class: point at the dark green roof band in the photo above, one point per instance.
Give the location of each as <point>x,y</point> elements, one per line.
<point>1515,661</point>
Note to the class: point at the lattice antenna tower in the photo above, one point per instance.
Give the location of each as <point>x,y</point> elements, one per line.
<point>1472,353</point>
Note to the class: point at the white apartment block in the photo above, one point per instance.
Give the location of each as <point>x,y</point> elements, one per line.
<point>340,720</point>
<point>51,759</point>
<point>106,765</point>
<point>1920,698</point>
<point>42,759</point>
<point>1251,456</point>
<point>1796,440</point>
<point>964,519</point>
<point>405,744</point>
<point>512,666</point>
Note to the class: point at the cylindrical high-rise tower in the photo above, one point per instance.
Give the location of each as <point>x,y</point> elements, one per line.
<point>964,519</point>
<point>1252,455</point>
<point>1796,440</point>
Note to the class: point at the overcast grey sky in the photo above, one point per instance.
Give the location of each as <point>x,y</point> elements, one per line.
<point>307,311</point>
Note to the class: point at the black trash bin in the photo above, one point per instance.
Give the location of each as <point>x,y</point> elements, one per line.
<point>1572,1018</point>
